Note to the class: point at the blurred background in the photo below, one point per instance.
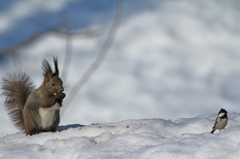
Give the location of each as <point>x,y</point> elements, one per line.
<point>163,59</point>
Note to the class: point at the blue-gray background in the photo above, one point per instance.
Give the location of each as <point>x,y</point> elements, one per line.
<point>169,59</point>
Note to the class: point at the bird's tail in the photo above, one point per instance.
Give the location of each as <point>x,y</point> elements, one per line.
<point>213,131</point>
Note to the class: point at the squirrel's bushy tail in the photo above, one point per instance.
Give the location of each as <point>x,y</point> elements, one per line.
<point>16,89</point>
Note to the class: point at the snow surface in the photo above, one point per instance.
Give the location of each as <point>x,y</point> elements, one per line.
<point>169,60</point>
<point>186,138</point>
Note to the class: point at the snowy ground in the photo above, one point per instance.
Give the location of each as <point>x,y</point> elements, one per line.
<point>185,138</point>
<point>169,60</point>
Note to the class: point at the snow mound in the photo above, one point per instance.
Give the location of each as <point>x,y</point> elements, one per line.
<point>144,138</point>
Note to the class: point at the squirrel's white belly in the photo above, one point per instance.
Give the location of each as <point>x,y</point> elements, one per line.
<point>47,115</point>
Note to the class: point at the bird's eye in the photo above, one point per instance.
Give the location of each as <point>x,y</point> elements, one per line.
<point>53,84</point>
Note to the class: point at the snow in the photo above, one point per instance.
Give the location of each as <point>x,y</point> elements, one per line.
<point>140,138</point>
<point>170,60</point>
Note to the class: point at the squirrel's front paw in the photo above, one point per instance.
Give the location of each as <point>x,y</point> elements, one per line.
<point>60,97</point>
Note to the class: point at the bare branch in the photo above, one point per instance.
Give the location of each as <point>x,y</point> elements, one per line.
<point>13,50</point>
<point>95,65</point>
<point>68,52</point>
<point>55,30</point>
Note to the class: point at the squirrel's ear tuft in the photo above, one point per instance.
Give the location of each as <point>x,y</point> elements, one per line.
<point>47,70</point>
<point>55,60</point>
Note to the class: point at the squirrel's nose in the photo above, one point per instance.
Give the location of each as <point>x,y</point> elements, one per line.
<point>61,90</point>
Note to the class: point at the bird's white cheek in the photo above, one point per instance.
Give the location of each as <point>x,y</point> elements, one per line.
<point>221,115</point>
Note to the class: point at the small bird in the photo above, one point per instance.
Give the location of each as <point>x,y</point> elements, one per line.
<point>221,121</point>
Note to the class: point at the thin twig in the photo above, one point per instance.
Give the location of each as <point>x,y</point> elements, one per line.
<point>95,65</point>
<point>17,64</point>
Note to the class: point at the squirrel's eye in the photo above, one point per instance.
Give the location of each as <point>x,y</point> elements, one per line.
<point>53,84</point>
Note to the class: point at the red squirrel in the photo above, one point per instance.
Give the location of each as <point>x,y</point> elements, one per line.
<point>34,111</point>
